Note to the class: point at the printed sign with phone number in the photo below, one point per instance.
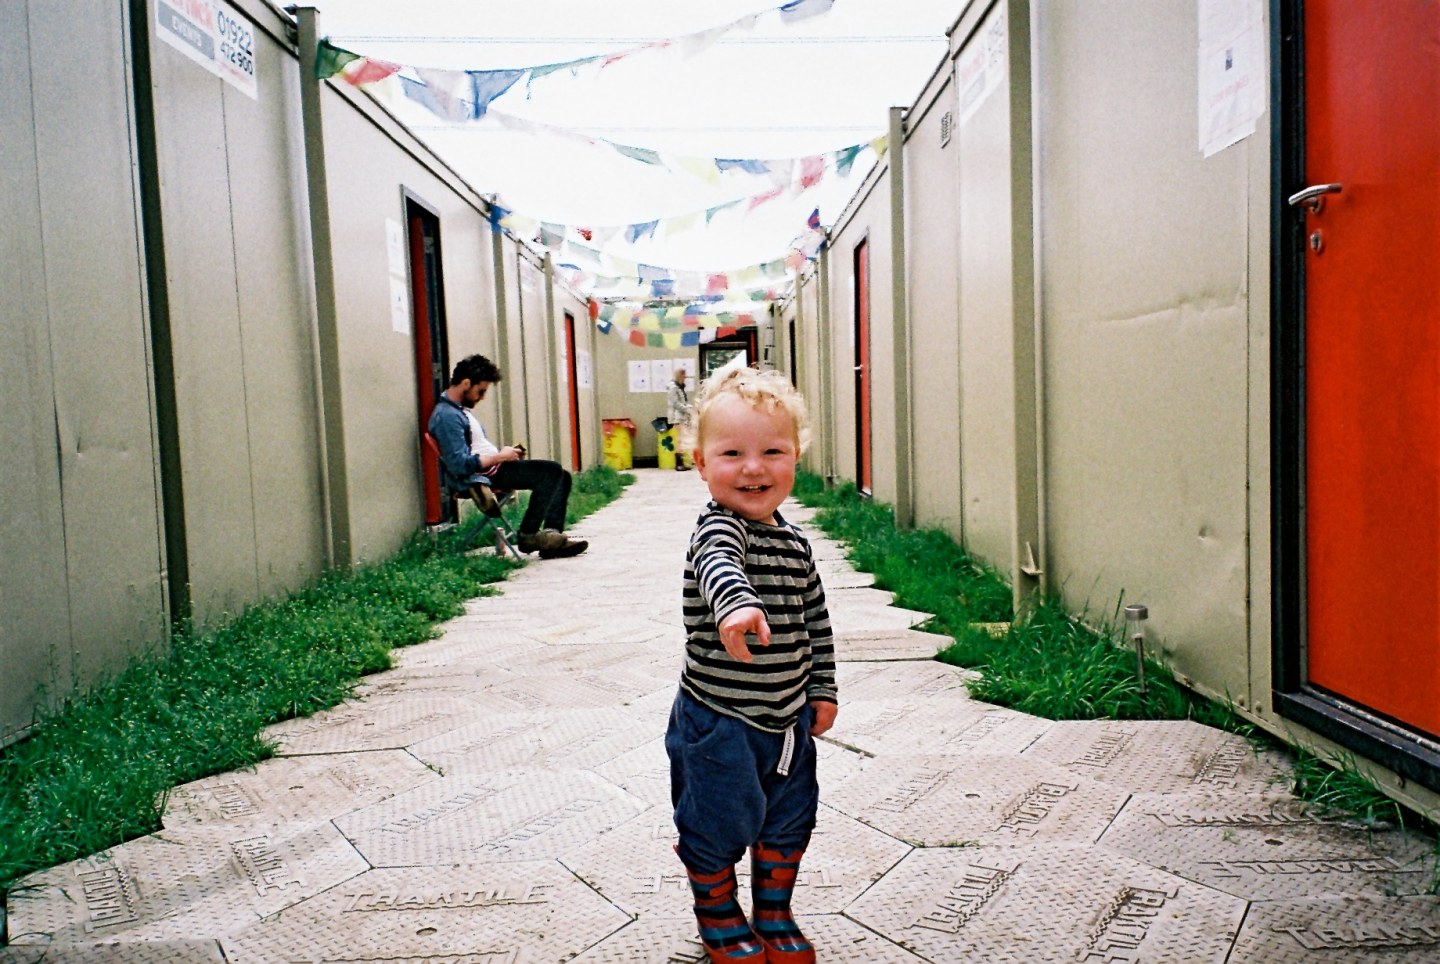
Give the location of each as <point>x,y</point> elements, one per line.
<point>214,36</point>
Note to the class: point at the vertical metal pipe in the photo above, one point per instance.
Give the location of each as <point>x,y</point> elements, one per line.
<point>335,479</point>
<point>900,326</point>
<point>1135,615</point>
<point>552,358</point>
<point>827,366</point>
<point>162,347</point>
<point>504,407</point>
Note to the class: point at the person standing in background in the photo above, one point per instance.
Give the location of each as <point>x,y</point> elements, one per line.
<point>677,411</point>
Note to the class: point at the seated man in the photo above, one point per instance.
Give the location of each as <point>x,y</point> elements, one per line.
<point>467,461</point>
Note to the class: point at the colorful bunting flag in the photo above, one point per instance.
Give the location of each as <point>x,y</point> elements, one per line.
<point>635,232</point>
<point>368,70</point>
<point>330,59</point>
<point>748,165</point>
<point>812,169</point>
<point>495,215</point>
<point>641,154</point>
<point>486,85</point>
<point>765,198</point>
<point>798,10</point>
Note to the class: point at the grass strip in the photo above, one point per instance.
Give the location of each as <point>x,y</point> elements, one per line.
<point>96,772</point>
<point>1046,662</point>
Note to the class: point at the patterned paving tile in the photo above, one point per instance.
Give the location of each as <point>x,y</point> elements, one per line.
<point>1046,902</point>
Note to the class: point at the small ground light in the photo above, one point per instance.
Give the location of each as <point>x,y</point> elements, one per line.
<point>1135,616</point>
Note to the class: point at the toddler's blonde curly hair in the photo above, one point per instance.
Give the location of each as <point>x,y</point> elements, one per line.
<point>765,390</point>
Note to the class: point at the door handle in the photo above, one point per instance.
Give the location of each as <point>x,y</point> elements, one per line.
<point>1313,196</point>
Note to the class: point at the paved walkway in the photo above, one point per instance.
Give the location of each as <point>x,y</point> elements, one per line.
<point>502,796</point>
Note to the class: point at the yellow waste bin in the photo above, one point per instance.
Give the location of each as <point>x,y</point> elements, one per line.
<point>619,442</point>
<point>665,446</point>
<point>668,451</point>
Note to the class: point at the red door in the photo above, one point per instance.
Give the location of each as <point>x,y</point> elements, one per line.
<point>862,367</point>
<point>428,325</point>
<point>1372,355</point>
<point>572,389</point>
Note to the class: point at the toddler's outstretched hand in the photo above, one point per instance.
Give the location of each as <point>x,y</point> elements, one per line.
<point>747,619</point>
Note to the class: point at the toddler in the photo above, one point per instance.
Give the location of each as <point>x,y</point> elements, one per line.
<point>759,677</point>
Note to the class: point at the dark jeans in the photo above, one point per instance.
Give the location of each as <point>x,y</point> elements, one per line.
<point>726,790</point>
<point>549,486</point>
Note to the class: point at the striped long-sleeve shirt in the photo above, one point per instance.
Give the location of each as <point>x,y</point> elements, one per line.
<point>732,563</point>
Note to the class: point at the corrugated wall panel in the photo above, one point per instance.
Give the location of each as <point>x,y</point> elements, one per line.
<point>273,283</point>
<point>34,590</point>
<point>197,198</point>
<point>99,338</point>
<point>1146,247</point>
<point>932,248</point>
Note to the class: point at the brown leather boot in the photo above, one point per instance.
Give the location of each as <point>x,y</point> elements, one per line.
<point>773,875</point>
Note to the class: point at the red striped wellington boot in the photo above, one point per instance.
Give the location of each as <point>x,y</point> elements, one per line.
<point>723,929</point>
<point>772,881</point>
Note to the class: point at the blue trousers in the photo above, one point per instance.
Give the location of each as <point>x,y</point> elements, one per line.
<point>728,789</point>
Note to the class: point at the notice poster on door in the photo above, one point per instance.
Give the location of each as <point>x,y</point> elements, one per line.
<point>1232,71</point>
<point>214,36</point>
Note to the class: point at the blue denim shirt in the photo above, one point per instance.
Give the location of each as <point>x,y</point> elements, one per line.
<point>450,427</point>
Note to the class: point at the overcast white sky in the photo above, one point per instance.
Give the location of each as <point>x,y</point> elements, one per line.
<point>780,90</point>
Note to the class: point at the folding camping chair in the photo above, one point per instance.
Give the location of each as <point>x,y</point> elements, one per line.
<point>490,501</point>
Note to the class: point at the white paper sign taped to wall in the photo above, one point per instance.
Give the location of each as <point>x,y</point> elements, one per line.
<point>1232,69</point>
<point>399,306</point>
<point>639,375</point>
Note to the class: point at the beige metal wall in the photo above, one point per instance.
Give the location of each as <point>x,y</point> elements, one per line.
<point>613,353</point>
<point>810,329</point>
<point>932,213</point>
<point>378,374</point>
<point>236,235</point>
<point>585,335</point>
<point>996,326</point>
<point>84,539</point>
<point>81,555</point>
<point>867,219</point>
<point>530,367</point>
<point>1153,336</point>
<point>1108,288</point>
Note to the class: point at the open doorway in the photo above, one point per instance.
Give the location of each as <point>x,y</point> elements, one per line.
<point>863,456</point>
<point>572,392</point>
<point>721,351</point>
